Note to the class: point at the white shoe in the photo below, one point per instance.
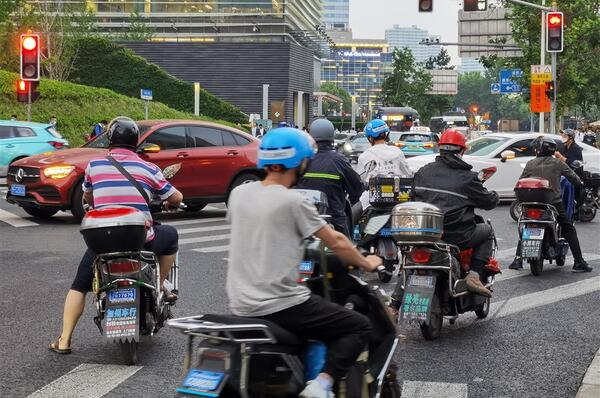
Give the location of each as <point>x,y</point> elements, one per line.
<point>314,390</point>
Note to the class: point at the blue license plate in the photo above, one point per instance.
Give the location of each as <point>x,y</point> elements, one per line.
<point>202,380</point>
<point>306,267</point>
<point>119,296</point>
<point>17,190</point>
<point>533,233</point>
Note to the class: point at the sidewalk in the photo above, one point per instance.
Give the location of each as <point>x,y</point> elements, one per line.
<point>590,387</point>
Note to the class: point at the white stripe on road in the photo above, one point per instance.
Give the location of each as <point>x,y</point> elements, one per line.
<point>427,389</point>
<point>87,380</point>
<point>15,221</point>
<point>197,221</point>
<point>506,252</point>
<point>508,273</point>
<point>204,239</point>
<point>215,249</point>
<point>203,229</point>
<point>213,208</point>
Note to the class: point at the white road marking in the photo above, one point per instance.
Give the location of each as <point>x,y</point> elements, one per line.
<point>204,239</point>
<point>83,381</point>
<point>15,220</point>
<point>200,221</point>
<point>590,386</point>
<point>213,208</point>
<point>3,181</point>
<point>203,229</point>
<point>506,252</point>
<point>215,249</point>
<point>427,389</point>
<point>508,273</point>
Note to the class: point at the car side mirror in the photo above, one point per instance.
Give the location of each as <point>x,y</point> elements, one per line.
<point>507,155</point>
<point>148,148</point>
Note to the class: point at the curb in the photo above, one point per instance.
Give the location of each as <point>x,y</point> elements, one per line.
<point>590,386</point>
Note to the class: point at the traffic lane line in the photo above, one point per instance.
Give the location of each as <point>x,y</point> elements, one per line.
<point>83,381</point>
<point>204,239</point>
<point>590,386</point>
<point>196,221</point>
<point>428,389</point>
<point>203,229</point>
<point>15,220</point>
<point>508,273</point>
<point>214,249</point>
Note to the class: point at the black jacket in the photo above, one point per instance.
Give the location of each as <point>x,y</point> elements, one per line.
<point>573,153</point>
<point>449,184</point>
<point>331,173</point>
<point>551,169</point>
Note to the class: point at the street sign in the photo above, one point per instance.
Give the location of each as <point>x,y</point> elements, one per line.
<point>146,94</point>
<point>507,84</point>
<point>541,74</point>
<point>539,100</point>
<point>495,88</point>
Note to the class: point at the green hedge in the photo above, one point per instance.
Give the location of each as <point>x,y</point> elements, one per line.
<point>78,108</point>
<point>102,63</point>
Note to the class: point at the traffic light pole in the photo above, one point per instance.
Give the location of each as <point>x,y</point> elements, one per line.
<point>29,101</point>
<point>553,109</point>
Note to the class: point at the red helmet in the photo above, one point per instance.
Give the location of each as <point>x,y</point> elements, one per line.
<point>453,137</point>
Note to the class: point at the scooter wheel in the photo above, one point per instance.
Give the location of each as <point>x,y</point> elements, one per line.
<point>536,266</point>
<point>483,310</point>
<point>587,214</point>
<point>515,210</point>
<point>560,261</point>
<point>432,330</point>
<point>387,276</point>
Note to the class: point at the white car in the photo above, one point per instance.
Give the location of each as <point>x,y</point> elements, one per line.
<point>486,152</point>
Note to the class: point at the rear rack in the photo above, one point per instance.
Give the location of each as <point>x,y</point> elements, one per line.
<point>254,333</point>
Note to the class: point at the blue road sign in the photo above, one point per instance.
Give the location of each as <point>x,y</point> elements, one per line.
<point>507,84</point>
<point>146,94</point>
<point>495,88</point>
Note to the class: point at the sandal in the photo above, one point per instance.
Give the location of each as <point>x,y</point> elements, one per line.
<point>55,347</point>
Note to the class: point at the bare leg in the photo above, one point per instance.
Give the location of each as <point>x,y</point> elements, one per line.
<point>165,264</point>
<point>74,305</point>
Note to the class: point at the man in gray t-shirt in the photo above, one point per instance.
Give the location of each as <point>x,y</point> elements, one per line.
<point>268,224</point>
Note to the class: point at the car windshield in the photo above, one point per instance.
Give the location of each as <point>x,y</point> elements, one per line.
<point>360,140</point>
<point>485,145</point>
<point>102,140</point>
<point>415,137</point>
<point>394,136</point>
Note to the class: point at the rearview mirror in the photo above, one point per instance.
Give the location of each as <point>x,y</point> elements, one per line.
<point>148,148</point>
<point>507,155</point>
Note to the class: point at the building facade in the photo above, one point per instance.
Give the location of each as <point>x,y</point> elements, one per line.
<point>336,14</point>
<point>470,65</point>
<point>359,67</point>
<point>410,37</point>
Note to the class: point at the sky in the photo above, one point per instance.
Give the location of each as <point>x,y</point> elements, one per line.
<point>370,18</point>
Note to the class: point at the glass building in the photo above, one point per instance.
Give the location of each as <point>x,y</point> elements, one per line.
<point>336,14</point>
<point>410,37</point>
<point>470,65</point>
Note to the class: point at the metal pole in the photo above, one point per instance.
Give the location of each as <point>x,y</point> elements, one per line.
<point>553,109</point>
<point>146,109</point>
<point>353,126</point>
<point>543,55</point>
<point>197,98</point>
<point>265,104</point>
<point>29,101</point>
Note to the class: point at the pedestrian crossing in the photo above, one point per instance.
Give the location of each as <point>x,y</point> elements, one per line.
<point>206,235</point>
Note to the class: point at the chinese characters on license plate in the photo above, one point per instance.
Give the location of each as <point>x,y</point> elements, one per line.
<point>201,380</point>
<point>17,190</point>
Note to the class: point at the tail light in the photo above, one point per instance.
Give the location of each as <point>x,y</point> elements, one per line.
<point>534,213</point>
<point>420,255</point>
<point>57,144</point>
<point>428,145</point>
<point>123,267</point>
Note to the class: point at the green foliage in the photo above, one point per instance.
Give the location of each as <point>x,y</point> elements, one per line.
<point>102,63</point>
<point>407,84</point>
<point>329,107</point>
<point>440,61</point>
<point>138,29</point>
<point>78,107</point>
<point>7,7</point>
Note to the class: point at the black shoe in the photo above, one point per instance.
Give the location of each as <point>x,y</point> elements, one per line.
<point>516,264</point>
<point>582,266</point>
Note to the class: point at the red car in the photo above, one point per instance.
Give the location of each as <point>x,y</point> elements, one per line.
<point>214,159</point>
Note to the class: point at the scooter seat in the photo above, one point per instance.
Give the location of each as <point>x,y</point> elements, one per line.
<point>283,336</point>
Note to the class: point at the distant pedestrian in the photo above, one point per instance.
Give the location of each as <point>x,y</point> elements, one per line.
<point>53,121</point>
<point>254,130</point>
<point>304,129</point>
<point>99,128</point>
<point>13,118</point>
<point>261,131</point>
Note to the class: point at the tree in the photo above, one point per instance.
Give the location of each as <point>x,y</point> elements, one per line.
<point>330,107</point>
<point>408,83</point>
<point>7,7</point>
<point>440,61</point>
<point>138,29</point>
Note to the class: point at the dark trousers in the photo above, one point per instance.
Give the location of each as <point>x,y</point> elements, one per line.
<point>344,332</point>
<point>482,243</point>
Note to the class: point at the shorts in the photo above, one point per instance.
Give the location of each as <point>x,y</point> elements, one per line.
<point>165,243</point>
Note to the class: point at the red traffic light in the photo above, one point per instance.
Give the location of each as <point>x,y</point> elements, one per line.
<point>22,86</point>
<point>474,109</point>
<point>554,19</point>
<point>554,32</point>
<point>425,5</point>
<point>29,43</point>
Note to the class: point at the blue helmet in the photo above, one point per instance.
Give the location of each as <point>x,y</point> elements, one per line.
<point>375,128</point>
<point>282,124</point>
<point>285,146</point>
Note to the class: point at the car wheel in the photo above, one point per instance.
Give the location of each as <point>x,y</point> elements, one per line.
<point>78,207</point>
<point>40,212</point>
<point>243,179</point>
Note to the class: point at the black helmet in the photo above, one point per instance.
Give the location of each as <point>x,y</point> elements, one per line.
<point>544,146</point>
<point>123,132</point>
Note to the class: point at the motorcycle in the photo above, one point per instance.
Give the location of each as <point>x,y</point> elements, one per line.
<point>589,196</point>
<point>539,231</point>
<point>231,356</point>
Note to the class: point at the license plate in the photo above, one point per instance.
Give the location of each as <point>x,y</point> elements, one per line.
<point>533,233</point>
<point>387,189</point>
<point>122,296</point>
<point>420,280</point>
<point>306,267</point>
<point>17,190</point>
<point>202,380</point>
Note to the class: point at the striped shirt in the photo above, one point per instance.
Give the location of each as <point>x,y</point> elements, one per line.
<point>111,188</point>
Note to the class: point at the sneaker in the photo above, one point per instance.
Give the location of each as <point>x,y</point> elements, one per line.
<point>474,285</point>
<point>314,390</point>
<point>582,266</point>
<point>516,264</point>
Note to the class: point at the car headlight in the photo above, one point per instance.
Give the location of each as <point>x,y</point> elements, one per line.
<point>347,147</point>
<point>56,172</point>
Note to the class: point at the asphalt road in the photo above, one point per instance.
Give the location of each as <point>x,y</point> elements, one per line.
<point>540,337</point>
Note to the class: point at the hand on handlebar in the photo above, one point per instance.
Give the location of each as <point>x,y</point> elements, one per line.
<point>374,262</point>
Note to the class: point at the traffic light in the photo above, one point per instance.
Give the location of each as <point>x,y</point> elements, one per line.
<point>23,90</point>
<point>550,90</point>
<point>474,5</point>
<point>474,109</point>
<point>554,32</point>
<point>30,57</point>
<point>425,5</point>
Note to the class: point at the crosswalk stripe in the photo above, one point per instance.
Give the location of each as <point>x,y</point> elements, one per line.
<point>83,381</point>
<point>428,389</point>
<point>511,273</point>
<point>204,239</point>
<point>215,249</point>
<point>15,221</point>
<point>200,221</point>
<point>213,208</point>
<point>203,229</point>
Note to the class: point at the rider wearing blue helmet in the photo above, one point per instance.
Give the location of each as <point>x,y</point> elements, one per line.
<point>380,158</point>
<point>268,224</point>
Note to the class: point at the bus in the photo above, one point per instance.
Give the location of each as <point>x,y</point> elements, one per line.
<point>440,123</point>
<point>398,118</point>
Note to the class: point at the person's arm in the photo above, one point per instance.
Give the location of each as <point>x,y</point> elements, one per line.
<point>170,196</point>
<point>344,249</point>
<point>403,166</point>
<point>569,174</point>
<point>560,157</point>
<point>86,187</point>
<point>351,182</point>
<point>480,196</point>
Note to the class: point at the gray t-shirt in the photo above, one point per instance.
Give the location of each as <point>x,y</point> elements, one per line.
<point>268,225</point>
